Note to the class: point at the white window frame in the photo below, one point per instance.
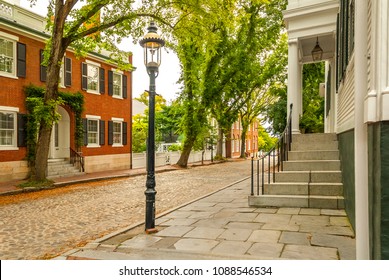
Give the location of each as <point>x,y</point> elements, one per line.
<point>14,111</point>
<point>117,121</point>
<point>96,65</point>
<point>97,119</point>
<point>117,87</point>
<point>13,40</point>
<point>116,72</point>
<point>62,74</point>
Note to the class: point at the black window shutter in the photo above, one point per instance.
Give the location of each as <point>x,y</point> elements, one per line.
<point>22,130</point>
<point>337,52</point>
<point>124,128</point>
<point>68,71</point>
<point>110,83</point>
<point>102,80</point>
<point>110,132</point>
<point>21,60</point>
<point>84,77</point>
<point>124,77</point>
<point>102,133</point>
<point>43,69</point>
<point>85,126</point>
<point>345,36</point>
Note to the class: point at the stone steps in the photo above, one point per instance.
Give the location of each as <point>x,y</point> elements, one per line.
<point>313,155</point>
<point>313,165</point>
<point>303,201</point>
<point>61,168</point>
<point>311,178</point>
<point>323,189</point>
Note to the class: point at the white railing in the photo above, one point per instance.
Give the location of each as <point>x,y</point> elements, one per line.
<point>161,159</point>
<point>22,16</point>
<point>6,9</point>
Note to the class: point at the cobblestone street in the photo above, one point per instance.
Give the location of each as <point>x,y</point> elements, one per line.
<point>44,224</point>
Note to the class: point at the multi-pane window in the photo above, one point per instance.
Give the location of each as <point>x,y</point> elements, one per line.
<point>7,56</point>
<point>117,85</point>
<point>93,132</point>
<point>117,133</point>
<point>7,129</point>
<point>93,77</point>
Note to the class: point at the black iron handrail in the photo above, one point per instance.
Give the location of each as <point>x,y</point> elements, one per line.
<point>280,151</point>
<point>77,159</point>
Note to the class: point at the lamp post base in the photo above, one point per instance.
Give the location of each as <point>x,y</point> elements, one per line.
<point>151,230</point>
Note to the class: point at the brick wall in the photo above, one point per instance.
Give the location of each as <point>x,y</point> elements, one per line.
<point>105,106</point>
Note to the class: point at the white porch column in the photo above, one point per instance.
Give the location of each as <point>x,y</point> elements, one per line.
<point>294,83</point>
<point>361,137</point>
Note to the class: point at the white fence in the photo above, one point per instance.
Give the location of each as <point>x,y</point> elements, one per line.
<point>139,159</point>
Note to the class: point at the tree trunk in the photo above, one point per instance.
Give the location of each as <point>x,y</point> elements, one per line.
<point>184,157</point>
<point>57,51</point>
<point>243,138</point>
<point>42,153</point>
<point>219,146</point>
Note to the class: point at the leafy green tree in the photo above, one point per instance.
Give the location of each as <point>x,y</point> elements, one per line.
<point>139,133</point>
<point>312,119</point>
<point>265,141</point>
<point>271,73</point>
<point>92,25</point>
<point>218,42</point>
<point>168,121</point>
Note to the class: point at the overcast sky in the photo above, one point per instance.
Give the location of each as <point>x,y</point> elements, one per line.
<point>169,72</point>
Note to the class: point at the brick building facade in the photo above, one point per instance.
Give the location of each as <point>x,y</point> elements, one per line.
<point>107,95</point>
<point>234,141</point>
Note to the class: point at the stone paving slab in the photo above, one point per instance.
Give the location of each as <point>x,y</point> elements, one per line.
<point>236,234</point>
<point>295,238</point>
<point>309,253</point>
<point>179,222</point>
<point>310,220</point>
<point>149,255</point>
<point>244,225</point>
<point>196,245</point>
<point>266,250</point>
<point>175,231</point>
<point>228,233</point>
<point>334,230</point>
<point>265,236</point>
<point>345,244</point>
<point>205,232</point>
<point>273,218</point>
<point>232,247</point>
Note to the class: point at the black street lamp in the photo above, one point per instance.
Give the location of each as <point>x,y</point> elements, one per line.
<point>152,44</point>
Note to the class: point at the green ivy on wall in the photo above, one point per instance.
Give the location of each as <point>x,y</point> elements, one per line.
<point>38,112</point>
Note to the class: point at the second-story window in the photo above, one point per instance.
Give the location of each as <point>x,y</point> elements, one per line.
<point>65,72</point>
<point>12,56</point>
<point>93,77</point>
<point>7,53</point>
<point>117,84</point>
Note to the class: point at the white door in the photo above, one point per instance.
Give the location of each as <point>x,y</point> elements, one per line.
<point>60,136</point>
